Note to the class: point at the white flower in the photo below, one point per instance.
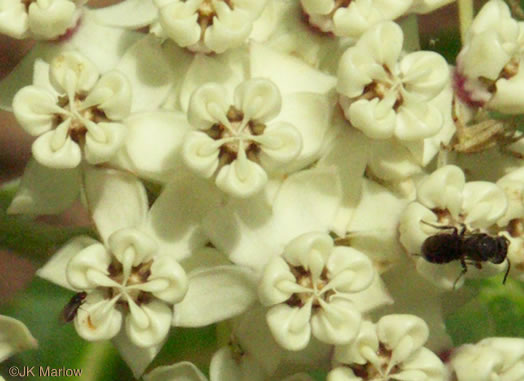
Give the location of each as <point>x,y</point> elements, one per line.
<point>39,19</point>
<point>14,337</point>
<point>74,112</point>
<point>384,94</point>
<point>445,199</point>
<point>125,278</point>
<point>309,290</point>
<point>135,275</point>
<point>351,18</point>
<point>391,349</point>
<point>245,126</point>
<point>489,65</point>
<point>207,25</point>
<point>238,137</point>
<point>495,358</point>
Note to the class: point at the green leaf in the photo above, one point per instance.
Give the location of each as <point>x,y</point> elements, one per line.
<point>497,310</point>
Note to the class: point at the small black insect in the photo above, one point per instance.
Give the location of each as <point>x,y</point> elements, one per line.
<point>71,308</point>
<point>466,247</point>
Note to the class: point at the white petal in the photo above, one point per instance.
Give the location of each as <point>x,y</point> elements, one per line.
<point>142,247</point>
<point>104,145</point>
<point>208,105</point>
<point>127,14</point>
<point>149,327</point>
<point>34,109</point>
<point>504,99</point>
<point>45,190</point>
<point>214,295</point>
<point>175,217</point>
<point>179,22</point>
<point>350,270</point>
<point>173,278</point>
<point>484,203</point>
<point>277,283</point>
<point>259,99</point>
<point>181,371</point>
<point>51,19</point>
<point>310,114</point>
<point>374,117</point>
<point>242,178</point>
<point>88,268</point>
<point>200,153</point>
<point>230,29</point>
<point>67,156</point>
<point>14,337</point>
<point>115,200</point>
<point>97,319</point>
<point>391,161</point>
<point>106,55</point>
<point>13,19</point>
<point>154,142</point>
<point>113,95</point>
<point>226,366</point>
<point>55,270</point>
<point>290,326</point>
<point>135,357</point>
<point>281,143</point>
<point>416,120</point>
<point>149,72</point>
<point>73,73</point>
<point>337,322</point>
<point>443,189</point>
<point>290,74</point>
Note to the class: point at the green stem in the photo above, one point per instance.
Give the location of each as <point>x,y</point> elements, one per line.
<point>465,8</point>
<point>94,360</point>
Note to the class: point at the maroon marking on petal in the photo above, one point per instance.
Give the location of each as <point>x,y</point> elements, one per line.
<point>459,81</point>
<point>69,33</point>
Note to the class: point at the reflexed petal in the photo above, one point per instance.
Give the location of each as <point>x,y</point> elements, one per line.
<point>181,371</point>
<point>149,73</point>
<point>215,294</point>
<point>154,142</point>
<point>88,268</point>
<point>175,217</point>
<point>106,55</point>
<point>289,73</point>
<point>45,190</point>
<point>136,358</point>
<point>115,199</point>
<point>225,366</point>
<point>55,270</point>
<point>14,337</point>
<point>126,14</point>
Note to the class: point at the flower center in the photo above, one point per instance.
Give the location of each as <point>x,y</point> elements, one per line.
<point>130,284</point>
<point>378,369</point>
<point>78,116</point>
<point>236,135</point>
<point>207,11</point>
<point>313,288</point>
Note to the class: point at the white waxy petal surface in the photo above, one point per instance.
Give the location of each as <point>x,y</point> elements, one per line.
<point>14,337</point>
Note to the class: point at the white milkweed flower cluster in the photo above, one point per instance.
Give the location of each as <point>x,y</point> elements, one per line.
<point>295,171</point>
